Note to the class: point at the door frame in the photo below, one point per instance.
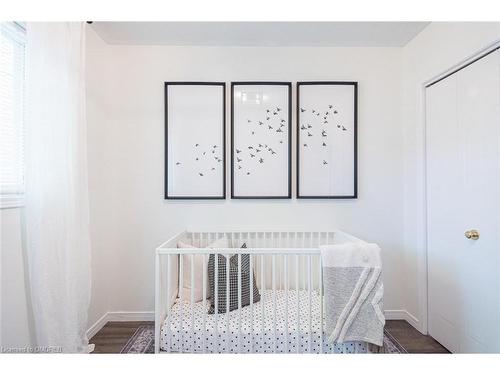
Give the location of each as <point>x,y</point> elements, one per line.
<point>423,265</point>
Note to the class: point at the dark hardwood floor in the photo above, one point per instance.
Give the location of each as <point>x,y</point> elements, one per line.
<point>411,339</point>
<point>114,335</point>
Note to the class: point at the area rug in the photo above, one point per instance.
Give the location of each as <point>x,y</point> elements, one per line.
<point>143,342</point>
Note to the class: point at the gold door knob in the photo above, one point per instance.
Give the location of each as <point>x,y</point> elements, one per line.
<point>472,234</point>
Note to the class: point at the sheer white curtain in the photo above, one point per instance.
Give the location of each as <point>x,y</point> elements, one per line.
<point>57,209</point>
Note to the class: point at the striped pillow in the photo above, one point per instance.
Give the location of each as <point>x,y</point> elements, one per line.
<point>233,282</point>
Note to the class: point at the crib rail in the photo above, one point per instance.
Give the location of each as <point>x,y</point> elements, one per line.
<point>287,263</point>
<point>264,239</point>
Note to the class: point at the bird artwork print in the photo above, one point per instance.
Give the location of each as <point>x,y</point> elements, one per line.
<point>267,125</point>
<point>204,164</point>
<point>325,121</point>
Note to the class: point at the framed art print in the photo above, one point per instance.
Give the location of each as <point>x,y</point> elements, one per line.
<point>327,140</point>
<point>260,140</point>
<point>195,140</point>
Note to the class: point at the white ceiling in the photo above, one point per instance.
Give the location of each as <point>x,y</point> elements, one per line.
<point>272,34</point>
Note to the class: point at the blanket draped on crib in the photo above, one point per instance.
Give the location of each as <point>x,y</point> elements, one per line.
<point>353,291</point>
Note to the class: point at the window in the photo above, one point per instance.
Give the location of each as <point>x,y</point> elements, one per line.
<point>12,62</point>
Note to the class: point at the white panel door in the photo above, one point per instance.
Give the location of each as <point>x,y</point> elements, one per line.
<point>463,141</point>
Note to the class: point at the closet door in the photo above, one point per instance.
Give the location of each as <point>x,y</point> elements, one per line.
<point>463,139</point>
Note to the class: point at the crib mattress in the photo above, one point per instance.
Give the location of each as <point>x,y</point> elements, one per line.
<point>257,335</point>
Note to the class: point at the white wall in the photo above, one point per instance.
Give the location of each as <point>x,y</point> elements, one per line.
<point>126,127</point>
<point>100,158</point>
<point>436,49</point>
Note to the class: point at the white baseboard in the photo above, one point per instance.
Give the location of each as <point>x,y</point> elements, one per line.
<point>97,326</point>
<point>403,315</point>
<point>134,316</point>
<point>120,316</point>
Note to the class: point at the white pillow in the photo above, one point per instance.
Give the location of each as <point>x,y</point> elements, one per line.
<point>221,243</point>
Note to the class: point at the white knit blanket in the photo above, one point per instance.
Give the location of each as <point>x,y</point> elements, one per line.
<point>353,291</point>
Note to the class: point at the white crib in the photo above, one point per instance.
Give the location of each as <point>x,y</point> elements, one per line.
<point>288,318</point>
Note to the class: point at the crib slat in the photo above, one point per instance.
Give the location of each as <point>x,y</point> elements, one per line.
<point>303,265</point>
<point>169,340</point>
<point>251,303</point>
<point>298,310</point>
<point>192,302</point>
<point>239,303</point>
<point>263,298</point>
<point>181,296</point>
<point>216,292</point>
<point>279,270</point>
<point>309,282</point>
<point>320,289</point>
<point>274,301</point>
<point>157,300</point>
<point>285,270</point>
<point>204,284</point>
<point>227,302</point>
<point>283,245</point>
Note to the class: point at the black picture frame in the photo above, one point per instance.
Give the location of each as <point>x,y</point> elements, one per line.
<point>289,115</point>
<point>355,135</point>
<point>223,109</point>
